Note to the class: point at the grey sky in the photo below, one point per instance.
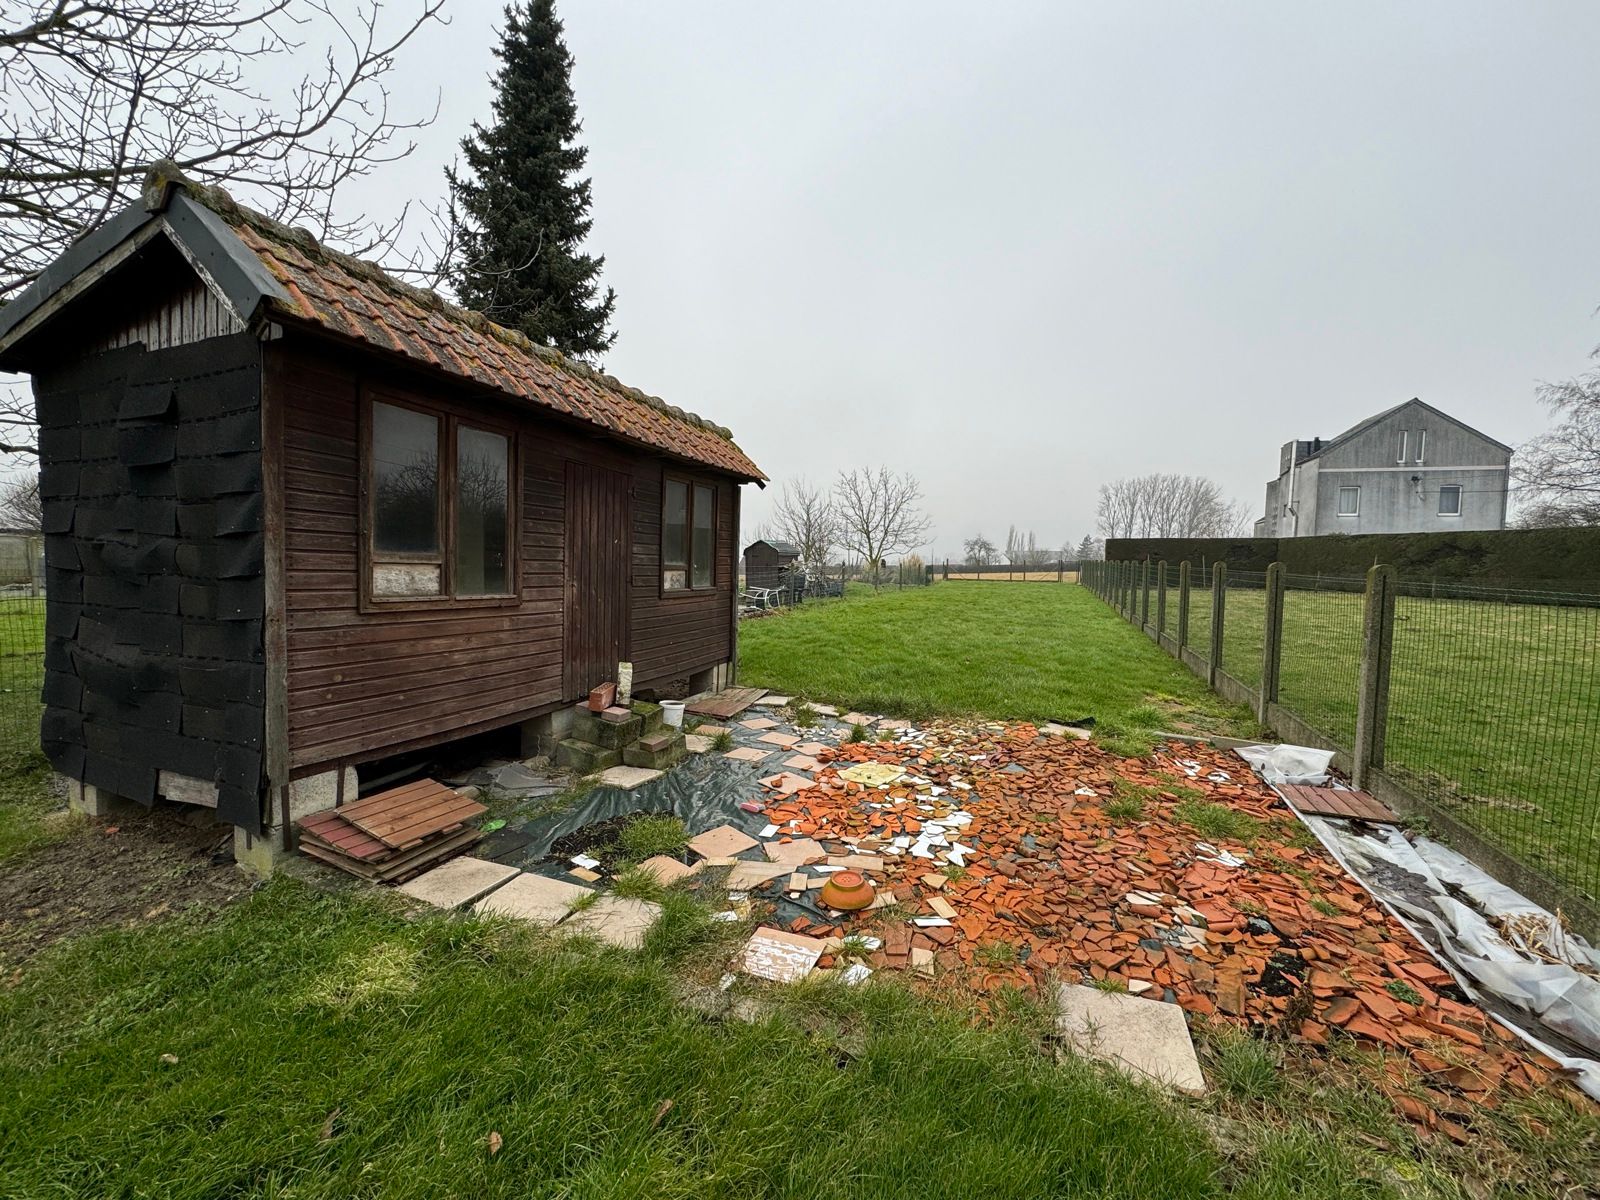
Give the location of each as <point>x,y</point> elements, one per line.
<point>1020,249</point>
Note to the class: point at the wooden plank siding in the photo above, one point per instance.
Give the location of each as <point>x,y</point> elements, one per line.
<point>364,684</point>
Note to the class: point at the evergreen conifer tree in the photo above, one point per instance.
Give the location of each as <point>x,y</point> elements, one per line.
<point>521,210</point>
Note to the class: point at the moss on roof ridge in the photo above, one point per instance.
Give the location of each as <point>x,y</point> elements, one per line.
<point>165,174</point>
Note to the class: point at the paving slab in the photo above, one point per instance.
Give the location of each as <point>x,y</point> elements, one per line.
<point>813,748</point>
<point>1147,1039</point>
<point>786,783</point>
<point>721,841</point>
<point>772,701</point>
<point>532,898</point>
<point>628,778</point>
<point>759,723</point>
<point>801,762</point>
<point>712,731</point>
<point>615,920</point>
<point>747,754</point>
<point>459,882</point>
<point>746,875</point>
<point>855,718</point>
<point>694,743</point>
<point>873,774</point>
<point>796,852</point>
<point>665,870</point>
<point>774,738</point>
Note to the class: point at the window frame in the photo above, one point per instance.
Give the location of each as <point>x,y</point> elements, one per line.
<point>1349,487</point>
<point>450,419</point>
<point>1422,445</point>
<point>1405,445</point>
<point>689,589</point>
<point>1460,497</point>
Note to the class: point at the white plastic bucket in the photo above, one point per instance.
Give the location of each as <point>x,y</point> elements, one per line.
<point>672,713</point>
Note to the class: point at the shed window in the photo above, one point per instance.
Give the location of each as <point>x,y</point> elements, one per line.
<point>482,493</point>
<point>688,536</point>
<point>1450,500</point>
<point>1349,501</point>
<point>439,508</point>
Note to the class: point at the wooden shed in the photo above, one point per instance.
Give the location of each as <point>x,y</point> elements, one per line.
<point>300,516</point>
<point>769,564</point>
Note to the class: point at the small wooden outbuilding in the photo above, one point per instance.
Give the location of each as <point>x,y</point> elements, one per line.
<point>769,564</point>
<point>300,516</point>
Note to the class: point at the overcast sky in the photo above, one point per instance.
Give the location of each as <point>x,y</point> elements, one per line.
<point>1022,248</point>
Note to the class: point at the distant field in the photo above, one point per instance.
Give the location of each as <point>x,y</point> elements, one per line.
<point>1011,577</point>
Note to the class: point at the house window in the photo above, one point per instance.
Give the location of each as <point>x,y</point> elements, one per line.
<point>1450,500</point>
<point>1349,501</point>
<point>688,536</point>
<point>1422,443</point>
<point>1405,437</point>
<point>439,506</point>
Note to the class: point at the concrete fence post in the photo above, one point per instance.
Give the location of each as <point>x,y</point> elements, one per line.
<point>1183,606</point>
<point>1271,641</point>
<point>1219,608</point>
<point>1377,652</point>
<point>1161,599</point>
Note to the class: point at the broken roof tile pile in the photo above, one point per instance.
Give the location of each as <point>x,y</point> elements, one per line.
<point>998,843</point>
<point>356,299</point>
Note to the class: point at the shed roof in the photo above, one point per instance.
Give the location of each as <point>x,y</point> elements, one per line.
<point>783,549</point>
<point>266,270</point>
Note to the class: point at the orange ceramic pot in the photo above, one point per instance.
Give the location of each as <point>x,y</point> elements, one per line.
<point>847,891</point>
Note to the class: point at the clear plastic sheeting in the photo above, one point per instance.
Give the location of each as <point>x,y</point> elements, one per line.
<point>1288,764</point>
<point>1513,957</point>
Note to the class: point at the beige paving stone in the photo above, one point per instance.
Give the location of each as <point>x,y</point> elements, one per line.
<point>1147,1039</point>
<point>747,754</point>
<point>778,955</point>
<point>532,898</point>
<point>721,841</point>
<point>665,870</point>
<point>783,740</point>
<point>615,920</point>
<point>458,882</point>
<point>628,778</point>
<point>796,852</point>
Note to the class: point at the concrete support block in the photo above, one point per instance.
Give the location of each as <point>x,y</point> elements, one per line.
<point>610,735</point>
<point>260,854</point>
<point>656,752</point>
<point>712,679</point>
<point>315,793</point>
<point>585,758</point>
<point>541,735</point>
<point>90,801</point>
<point>650,714</point>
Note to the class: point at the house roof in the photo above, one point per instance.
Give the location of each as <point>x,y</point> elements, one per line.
<point>267,271</point>
<point>788,549</point>
<point>1361,427</point>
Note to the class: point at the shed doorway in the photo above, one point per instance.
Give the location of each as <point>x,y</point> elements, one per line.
<point>598,541</point>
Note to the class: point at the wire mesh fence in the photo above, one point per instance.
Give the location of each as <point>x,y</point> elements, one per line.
<point>1494,715</point>
<point>1244,625</point>
<point>21,671</point>
<point>1320,658</point>
<point>1492,703</point>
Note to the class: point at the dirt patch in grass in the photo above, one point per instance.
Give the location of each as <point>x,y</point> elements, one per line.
<point>116,874</point>
<point>605,840</point>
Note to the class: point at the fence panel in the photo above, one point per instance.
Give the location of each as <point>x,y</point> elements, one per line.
<point>21,672</point>
<point>1200,612</point>
<point>1321,658</point>
<point>1245,625</point>
<point>1494,715</point>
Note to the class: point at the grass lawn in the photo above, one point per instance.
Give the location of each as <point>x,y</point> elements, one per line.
<point>1494,709</point>
<point>1031,651</point>
<point>312,1045</point>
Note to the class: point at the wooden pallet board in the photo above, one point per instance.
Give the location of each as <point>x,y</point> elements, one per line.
<point>406,815</point>
<point>1334,802</point>
<point>727,703</point>
<point>402,866</point>
<point>340,836</point>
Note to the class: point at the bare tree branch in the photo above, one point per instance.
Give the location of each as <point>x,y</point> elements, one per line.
<point>1557,474</point>
<point>806,516</point>
<point>880,514</point>
<point>1163,505</point>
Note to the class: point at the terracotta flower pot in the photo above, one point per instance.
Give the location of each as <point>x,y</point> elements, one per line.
<point>847,891</point>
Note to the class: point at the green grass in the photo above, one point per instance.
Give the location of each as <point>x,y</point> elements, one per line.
<point>25,801</point>
<point>1217,821</point>
<point>647,836</point>
<point>309,1045</point>
<point>1494,709</point>
<point>1030,651</point>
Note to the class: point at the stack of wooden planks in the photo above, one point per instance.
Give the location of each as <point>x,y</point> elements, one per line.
<point>389,837</point>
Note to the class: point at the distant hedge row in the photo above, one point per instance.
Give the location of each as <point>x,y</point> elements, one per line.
<point>1553,559</point>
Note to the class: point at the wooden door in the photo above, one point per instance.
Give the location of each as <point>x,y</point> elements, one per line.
<point>599,520</point>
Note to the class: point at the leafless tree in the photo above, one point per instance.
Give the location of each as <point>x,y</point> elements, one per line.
<point>806,516</point>
<point>1557,474</point>
<point>20,506</point>
<point>1162,505</point>
<point>979,551</point>
<point>880,513</point>
<point>96,91</point>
